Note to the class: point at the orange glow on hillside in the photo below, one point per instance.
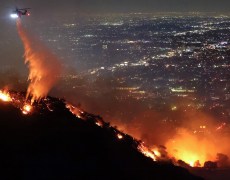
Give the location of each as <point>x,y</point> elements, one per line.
<point>191,148</point>
<point>76,111</point>
<point>146,151</point>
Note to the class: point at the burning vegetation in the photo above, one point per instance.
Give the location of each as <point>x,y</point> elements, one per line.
<point>185,149</point>
<point>196,149</point>
<point>97,120</point>
<point>53,125</point>
<point>26,109</point>
<point>17,100</point>
<point>5,96</point>
<point>21,102</point>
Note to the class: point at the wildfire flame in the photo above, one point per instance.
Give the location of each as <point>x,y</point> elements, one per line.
<point>147,152</point>
<point>5,96</point>
<point>156,152</point>
<point>119,136</point>
<point>74,110</point>
<point>44,67</point>
<point>17,101</point>
<point>99,123</point>
<point>191,148</point>
<point>26,109</point>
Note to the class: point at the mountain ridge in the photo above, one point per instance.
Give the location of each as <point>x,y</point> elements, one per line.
<point>52,143</point>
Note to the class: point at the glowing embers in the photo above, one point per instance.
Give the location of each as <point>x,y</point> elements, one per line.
<point>75,111</point>
<point>220,127</point>
<point>120,136</point>
<point>17,100</point>
<point>5,96</point>
<point>99,123</point>
<point>27,109</point>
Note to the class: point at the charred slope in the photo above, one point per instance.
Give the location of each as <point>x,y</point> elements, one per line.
<point>57,145</point>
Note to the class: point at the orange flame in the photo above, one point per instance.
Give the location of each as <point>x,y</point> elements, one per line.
<point>99,123</point>
<point>75,111</point>
<point>146,151</point>
<point>119,136</point>
<point>44,68</point>
<point>191,148</point>
<point>156,152</point>
<point>26,109</point>
<point>5,96</point>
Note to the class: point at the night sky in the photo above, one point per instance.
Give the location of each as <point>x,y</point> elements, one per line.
<point>120,5</point>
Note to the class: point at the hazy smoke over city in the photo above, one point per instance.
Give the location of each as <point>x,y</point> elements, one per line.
<point>192,135</point>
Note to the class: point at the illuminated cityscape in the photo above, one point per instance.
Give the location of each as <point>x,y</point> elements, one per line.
<point>159,60</point>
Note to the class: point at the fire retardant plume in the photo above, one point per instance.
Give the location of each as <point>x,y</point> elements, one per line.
<point>44,66</point>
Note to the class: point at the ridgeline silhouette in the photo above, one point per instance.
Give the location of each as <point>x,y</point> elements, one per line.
<point>52,143</point>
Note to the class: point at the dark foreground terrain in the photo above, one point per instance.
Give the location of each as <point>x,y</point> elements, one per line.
<point>212,174</point>
<point>54,144</point>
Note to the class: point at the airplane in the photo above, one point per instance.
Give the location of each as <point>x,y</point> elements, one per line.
<point>20,12</point>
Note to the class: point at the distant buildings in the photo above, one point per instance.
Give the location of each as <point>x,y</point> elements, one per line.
<point>151,57</point>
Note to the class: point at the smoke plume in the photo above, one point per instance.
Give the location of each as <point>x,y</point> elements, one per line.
<point>44,67</point>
